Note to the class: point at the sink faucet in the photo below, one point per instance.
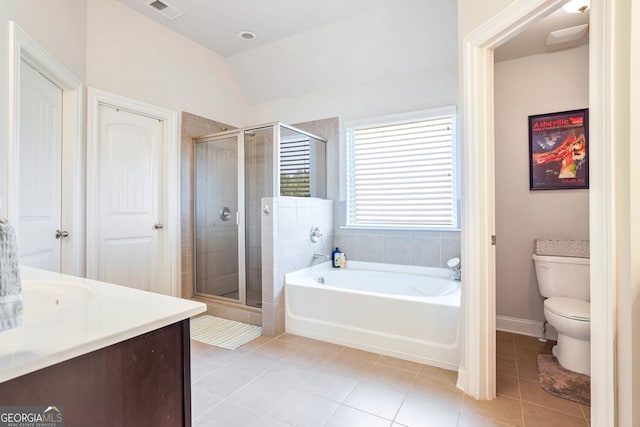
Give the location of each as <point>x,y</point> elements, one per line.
<point>455,266</point>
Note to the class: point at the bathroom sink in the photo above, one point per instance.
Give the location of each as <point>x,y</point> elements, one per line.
<point>44,298</point>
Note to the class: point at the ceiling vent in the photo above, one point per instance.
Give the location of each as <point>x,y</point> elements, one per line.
<point>165,9</point>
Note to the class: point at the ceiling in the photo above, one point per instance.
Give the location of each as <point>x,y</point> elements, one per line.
<point>217,23</point>
<point>532,40</point>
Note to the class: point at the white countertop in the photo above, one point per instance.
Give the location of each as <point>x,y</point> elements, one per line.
<point>110,315</point>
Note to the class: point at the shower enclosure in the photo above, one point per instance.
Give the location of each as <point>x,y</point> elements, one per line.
<point>234,170</point>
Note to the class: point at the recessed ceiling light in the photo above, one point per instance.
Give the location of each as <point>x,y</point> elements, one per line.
<point>246,35</point>
<point>576,6</point>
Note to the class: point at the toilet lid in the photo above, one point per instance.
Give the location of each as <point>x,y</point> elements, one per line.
<point>569,307</point>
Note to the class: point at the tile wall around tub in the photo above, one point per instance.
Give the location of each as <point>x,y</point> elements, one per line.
<point>286,247</point>
<point>408,247</point>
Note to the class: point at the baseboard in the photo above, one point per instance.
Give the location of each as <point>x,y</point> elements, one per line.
<point>531,328</point>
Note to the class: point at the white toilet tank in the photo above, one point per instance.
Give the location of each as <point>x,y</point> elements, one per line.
<point>563,276</point>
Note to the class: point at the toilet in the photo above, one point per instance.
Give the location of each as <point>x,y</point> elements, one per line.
<point>564,283</point>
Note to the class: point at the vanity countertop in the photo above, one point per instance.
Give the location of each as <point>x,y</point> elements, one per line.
<point>91,316</point>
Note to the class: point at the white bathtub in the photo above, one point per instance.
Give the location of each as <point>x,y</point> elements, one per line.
<point>403,311</point>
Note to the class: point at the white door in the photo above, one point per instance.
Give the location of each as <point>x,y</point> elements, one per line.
<point>39,174</point>
<point>129,200</point>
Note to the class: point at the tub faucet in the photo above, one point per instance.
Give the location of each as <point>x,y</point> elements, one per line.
<point>320,256</point>
<point>455,266</point>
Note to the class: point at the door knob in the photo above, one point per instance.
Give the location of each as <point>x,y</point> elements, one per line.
<point>62,234</point>
<point>158,226</point>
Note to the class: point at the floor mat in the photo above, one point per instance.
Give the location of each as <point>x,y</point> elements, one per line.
<point>223,333</point>
<point>563,383</point>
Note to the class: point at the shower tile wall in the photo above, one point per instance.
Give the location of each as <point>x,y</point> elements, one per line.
<point>192,126</point>
<point>287,247</point>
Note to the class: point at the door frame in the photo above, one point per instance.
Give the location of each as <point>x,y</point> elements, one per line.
<point>477,370</point>
<point>24,48</point>
<point>171,159</point>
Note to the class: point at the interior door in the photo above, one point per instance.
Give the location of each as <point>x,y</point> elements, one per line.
<point>39,174</point>
<point>130,237</point>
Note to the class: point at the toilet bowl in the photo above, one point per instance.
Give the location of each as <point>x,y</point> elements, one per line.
<point>564,282</point>
<point>571,319</point>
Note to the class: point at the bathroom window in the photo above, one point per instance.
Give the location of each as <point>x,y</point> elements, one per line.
<point>295,167</point>
<point>401,171</point>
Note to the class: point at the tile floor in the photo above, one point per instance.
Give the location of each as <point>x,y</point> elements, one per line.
<point>296,381</point>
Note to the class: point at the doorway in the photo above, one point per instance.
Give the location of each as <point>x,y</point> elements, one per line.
<point>477,373</point>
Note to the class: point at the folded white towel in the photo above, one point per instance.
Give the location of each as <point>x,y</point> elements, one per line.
<point>11,308</point>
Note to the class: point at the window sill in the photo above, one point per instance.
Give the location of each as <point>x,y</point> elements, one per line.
<point>396,228</point>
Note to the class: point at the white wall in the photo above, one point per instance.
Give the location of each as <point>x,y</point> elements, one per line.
<point>536,84</point>
<point>131,55</point>
<point>59,27</point>
<point>389,59</point>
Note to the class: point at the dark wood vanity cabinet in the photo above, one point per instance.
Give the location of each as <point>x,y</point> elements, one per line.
<point>143,381</point>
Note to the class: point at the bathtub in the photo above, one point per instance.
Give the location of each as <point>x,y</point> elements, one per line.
<point>402,311</point>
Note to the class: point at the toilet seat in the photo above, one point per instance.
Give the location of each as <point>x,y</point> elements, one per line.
<point>571,308</point>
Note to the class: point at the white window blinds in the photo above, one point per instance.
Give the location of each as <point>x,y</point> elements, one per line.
<point>402,173</point>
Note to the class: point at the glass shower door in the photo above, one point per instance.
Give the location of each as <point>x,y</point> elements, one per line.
<point>258,183</point>
<point>216,208</point>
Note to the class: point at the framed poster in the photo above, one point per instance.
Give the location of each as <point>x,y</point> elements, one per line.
<point>558,150</point>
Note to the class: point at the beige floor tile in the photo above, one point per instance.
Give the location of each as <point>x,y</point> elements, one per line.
<point>532,392</point>
<point>307,355</point>
<point>421,412</point>
<point>506,366</point>
<point>311,342</point>
<point>255,343</point>
<point>450,377</point>
<point>475,420</point>
<point>348,366</point>
<point>443,392</point>
<point>507,385</point>
<point>586,411</point>
<point>261,395</point>
<point>537,416</point>
<point>390,376</point>
<point>359,354</point>
<point>503,409</point>
<point>227,414</point>
<point>254,364</point>
<point>224,381</point>
<point>506,350</point>
<point>329,385</point>
<point>202,401</point>
<point>345,416</point>
<point>222,355</point>
<point>399,363</point>
<point>289,373</point>
<point>375,399</point>
<point>278,348</point>
<point>202,366</point>
<point>304,409</point>
<point>528,369</point>
<point>271,422</point>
